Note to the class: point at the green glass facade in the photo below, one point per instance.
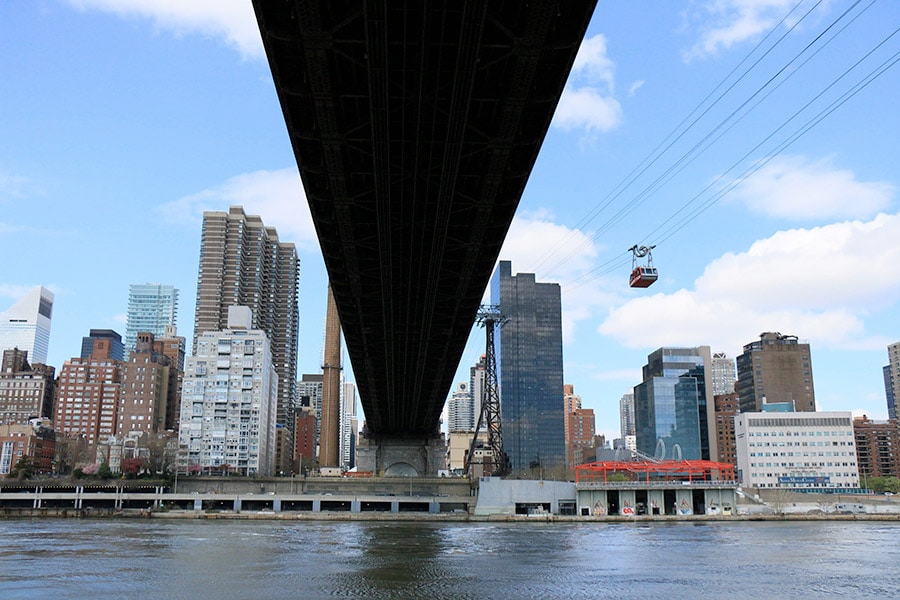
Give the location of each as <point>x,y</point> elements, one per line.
<point>670,406</point>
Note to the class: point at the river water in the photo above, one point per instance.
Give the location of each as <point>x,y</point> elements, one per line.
<point>179,559</point>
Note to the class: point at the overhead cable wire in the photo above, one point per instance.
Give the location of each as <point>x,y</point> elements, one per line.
<point>733,122</point>
<point>873,75</point>
<point>756,166</point>
<point>695,151</point>
<point>656,154</point>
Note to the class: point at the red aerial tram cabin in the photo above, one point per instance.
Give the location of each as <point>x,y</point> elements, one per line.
<point>642,276</point>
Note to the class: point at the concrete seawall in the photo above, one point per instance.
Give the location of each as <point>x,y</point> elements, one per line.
<point>33,513</point>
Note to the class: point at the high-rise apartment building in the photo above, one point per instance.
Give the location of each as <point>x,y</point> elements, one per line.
<point>581,425</point>
<point>228,401</point>
<point>349,425</point>
<point>242,262</point>
<point>571,403</point>
<point>171,345</point>
<point>461,409</point>
<point>477,378</point>
<point>149,385</point>
<point>26,324</point>
<point>309,394</point>
<point>776,369</point>
<point>726,408</point>
<point>722,374</point>
<point>151,308</point>
<point>530,369</point>
<point>673,406</point>
<point>892,379</point>
<point>88,396</point>
<point>26,391</point>
<point>113,339</point>
<point>626,415</point>
<point>877,447</point>
<point>798,450</point>
<point>305,440</point>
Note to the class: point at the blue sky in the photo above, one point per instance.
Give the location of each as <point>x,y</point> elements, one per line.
<point>765,174</point>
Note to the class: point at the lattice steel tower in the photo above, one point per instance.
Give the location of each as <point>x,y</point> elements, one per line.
<point>490,318</point>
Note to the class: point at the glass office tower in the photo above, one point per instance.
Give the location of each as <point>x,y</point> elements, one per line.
<point>530,369</point>
<point>672,405</point>
<point>151,306</point>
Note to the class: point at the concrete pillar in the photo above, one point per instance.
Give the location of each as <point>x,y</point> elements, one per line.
<point>276,504</point>
<point>395,506</point>
<point>198,503</point>
<point>317,506</point>
<point>355,506</point>
<point>237,504</point>
<point>434,507</point>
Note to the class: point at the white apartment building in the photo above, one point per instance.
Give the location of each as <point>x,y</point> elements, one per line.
<point>349,423</point>
<point>796,450</point>
<point>229,398</point>
<point>461,409</point>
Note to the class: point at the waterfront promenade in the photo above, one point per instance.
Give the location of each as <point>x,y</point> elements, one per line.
<point>441,499</point>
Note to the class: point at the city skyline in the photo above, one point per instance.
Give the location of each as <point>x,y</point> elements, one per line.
<point>805,245</point>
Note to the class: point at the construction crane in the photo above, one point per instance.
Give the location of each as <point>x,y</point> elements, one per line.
<point>491,319</point>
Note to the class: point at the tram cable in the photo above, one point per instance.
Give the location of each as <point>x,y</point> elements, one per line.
<point>704,144</point>
<point>656,154</point>
<point>600,270</point>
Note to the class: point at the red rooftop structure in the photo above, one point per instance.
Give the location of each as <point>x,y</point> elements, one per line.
<point>647,471</point>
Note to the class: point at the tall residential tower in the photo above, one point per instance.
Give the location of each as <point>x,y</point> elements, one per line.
<point>242,262</point>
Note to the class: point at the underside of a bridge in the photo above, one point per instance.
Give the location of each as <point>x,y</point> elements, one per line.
<point>415,126</point>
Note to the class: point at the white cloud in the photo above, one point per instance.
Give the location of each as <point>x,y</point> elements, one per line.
<point>725,23</point>
<point>587,101</point>
<point>592,63</point>
<point>233,20</point>
<point>818,284</point>
<point>632,90</point>
<point>276,196</point>
<point>535,242</point>
<point>587,108</point>
<point>13,186</point>
<point>791,187</point>
<point>557,254</point>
